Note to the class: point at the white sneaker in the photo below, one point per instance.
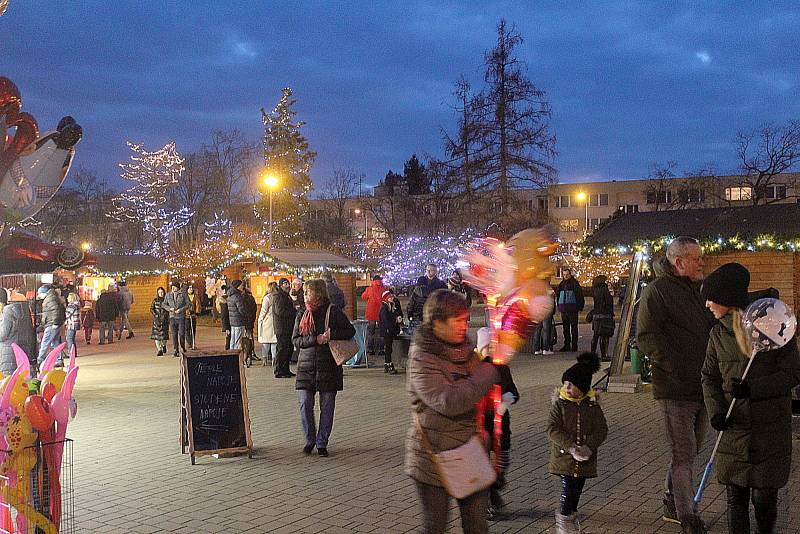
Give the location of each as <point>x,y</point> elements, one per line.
<point>538,352</point>
<point>547,352</point>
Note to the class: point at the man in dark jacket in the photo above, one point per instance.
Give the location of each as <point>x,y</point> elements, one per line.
<point>673,330</point>
<point>425,286</point>
<point>284,325</point>
<point>53,317</point>
<point>251,311</point>
<point>176,303</point>
<point>106,312</point>
<point>335,294</point>
<point>237,313</point>
<point>569,299</point>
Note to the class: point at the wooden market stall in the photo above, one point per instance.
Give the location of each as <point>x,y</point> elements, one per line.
<point>264,266</point>
<point>142,273</point>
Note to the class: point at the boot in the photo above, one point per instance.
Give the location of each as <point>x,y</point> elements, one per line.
<point>385,367</point>
<point>565,524</point>
<point>391,370</point>
<point>669,514</point>
<point>693,525</point>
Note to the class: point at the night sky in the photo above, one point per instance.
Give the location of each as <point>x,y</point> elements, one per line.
<point>630,83</point>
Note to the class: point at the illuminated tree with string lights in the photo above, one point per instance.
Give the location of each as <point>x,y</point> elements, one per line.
<point>153,175</point>
<point>288,156</point>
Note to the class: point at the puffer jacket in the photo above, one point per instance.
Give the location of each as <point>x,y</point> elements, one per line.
<point>673,327</point>
<point>266,320</point>
<point>444,383</point>
<point>106,307</point>
<point>73,316</point>
<point>373,295</point>
<point>756,450</point>
<point>251,310</point>
<point>160,329</point>
<point>420,294</point>
<point>16,326</point>
<point>237,312</point>
<point>126,298</point>
<point>572,424</point>
<point>603,310</point>
<point>316,368</point>
<point>285,314</point>
<point>53,309</point>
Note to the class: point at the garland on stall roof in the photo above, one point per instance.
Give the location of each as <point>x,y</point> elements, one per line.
<point>94,271</point>
<point>279,265</point>
<point>762,242</point>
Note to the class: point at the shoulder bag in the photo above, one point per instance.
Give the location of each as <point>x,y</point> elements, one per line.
<point>342,349</point>
<point>464,470</point>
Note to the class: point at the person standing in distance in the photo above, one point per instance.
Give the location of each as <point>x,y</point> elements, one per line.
<point>569,299</point>
<point>673,330</point>
<point>285,314</point>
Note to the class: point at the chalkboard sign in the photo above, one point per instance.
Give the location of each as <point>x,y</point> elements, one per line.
<point>214,407</point>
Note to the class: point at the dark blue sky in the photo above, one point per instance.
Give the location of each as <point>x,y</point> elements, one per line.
<point>630,83</point>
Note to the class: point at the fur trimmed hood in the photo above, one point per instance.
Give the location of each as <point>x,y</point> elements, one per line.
<point>598,394</point>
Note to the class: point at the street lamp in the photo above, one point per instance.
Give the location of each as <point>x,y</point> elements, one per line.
<point>357,211</point>
<point>271,183</point>
<point>583,197</point>
<point>86,246</point>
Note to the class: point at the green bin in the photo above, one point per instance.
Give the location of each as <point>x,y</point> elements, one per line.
<point>636,361</point>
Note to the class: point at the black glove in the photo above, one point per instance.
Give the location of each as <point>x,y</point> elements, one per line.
<point>718,422</point>
<point>739,389</point>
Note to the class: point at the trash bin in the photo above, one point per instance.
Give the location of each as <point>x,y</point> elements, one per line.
<point>636,361</point>
<point>360,359</point>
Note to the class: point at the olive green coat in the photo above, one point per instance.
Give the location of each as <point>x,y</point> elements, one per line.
<point>672,329</point>
<point>756,451</point>
<point>573,424</point>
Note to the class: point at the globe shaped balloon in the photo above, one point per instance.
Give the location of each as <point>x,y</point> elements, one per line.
<point>769,324</point>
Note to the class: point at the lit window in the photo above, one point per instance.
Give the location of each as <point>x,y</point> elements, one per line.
<point>738,193</point>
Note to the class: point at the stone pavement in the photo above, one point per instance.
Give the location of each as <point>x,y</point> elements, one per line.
<point>130,477</point>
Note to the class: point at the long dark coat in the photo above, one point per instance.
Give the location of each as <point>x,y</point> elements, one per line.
<point>160,328</point>
<point>756,451</point>
<point>316,368</point>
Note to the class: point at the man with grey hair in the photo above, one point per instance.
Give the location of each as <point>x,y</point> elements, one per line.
<point>673,328</point>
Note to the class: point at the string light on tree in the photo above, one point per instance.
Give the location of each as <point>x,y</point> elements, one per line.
<point>407,258</point>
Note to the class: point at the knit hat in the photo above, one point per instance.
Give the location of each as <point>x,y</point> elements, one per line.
<point>283,281</point>
<point>236,284</point>
<point>377,277</point>
<point>484,337</point>
<point>727,286</point>
<point>42,291</point>
<point>387,295</point>
<point>581,373</point>
<point>175,283</point>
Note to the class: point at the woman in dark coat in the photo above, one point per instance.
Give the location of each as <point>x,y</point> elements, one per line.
<point>602,315</point>
<point>755,454</point>
<point>317,371</point>
<point>160,330</point>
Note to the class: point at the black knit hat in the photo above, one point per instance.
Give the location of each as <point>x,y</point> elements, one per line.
<point>236,284</point>
<point>727,286</point>
<point>581,373</point>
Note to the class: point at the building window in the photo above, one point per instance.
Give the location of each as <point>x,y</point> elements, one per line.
<point>544,204</point>
<point>738,193</point>
<point>599,199</point>
<point>691,196</point>
<point>776,192</point>
<point>497,206</point>
<point>568,225</point>
<point>629,208</point>
<point>562,201</point>
<point>659,197</point>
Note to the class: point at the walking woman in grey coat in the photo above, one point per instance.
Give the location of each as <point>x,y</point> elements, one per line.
<point>16,326</point>
<point>445,379</point>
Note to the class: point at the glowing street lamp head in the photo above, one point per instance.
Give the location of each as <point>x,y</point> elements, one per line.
<point>86,246</point>
<point>270,181</point>
<point>581,196</point>
<point>357,211</point>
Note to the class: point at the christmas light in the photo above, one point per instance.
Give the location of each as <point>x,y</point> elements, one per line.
<point>407,258</point>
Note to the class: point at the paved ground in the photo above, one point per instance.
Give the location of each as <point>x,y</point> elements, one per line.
<point>130,476</point>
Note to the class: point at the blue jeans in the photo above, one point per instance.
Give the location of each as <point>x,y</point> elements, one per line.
<point>236,337</point>
<point>327,404</point>
<point>71,341</point>
<point>542,336</point>
<point>50,338</point>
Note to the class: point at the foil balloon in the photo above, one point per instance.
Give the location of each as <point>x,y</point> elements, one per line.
<point>38,411</point>
<point>769,324</point>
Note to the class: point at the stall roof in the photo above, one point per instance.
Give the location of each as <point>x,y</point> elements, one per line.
<point>310,258</point>
<point>119,263</point>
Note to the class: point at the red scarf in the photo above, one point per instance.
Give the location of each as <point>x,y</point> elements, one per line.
<point>307,326</point>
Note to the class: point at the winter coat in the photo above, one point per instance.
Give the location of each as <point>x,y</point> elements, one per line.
<point>73,317</point>
<point>16,326</point>
<point>673,326</point>
<point>250,309</point>
<point>336,295</point>
<point>603,311</point>
<point>285,314</point>
<point>298,300</point>
<point>569,296</point>
<point>444,383</point>
<point>573,424</point>
<point>88,319</point>
<point>236,307</point>
<point>420,294</point>
<point>53,310</point>
<point>106,309</point>
<point>316,368</point>
<point>390,314</point>
<point>756,450</point>
<point>176,304</point>
<point>266,320</point>
<point>225,318</point>
<point>507,385</point>
<point>126,298</point>
<point>160,328</point>
<point>373,295</point>
<point>195,304</point>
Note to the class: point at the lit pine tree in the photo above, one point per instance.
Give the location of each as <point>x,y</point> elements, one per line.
<point>286,154</point>
<point>153,175</point>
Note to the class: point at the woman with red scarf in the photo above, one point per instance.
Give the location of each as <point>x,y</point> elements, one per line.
<point>317,371</point>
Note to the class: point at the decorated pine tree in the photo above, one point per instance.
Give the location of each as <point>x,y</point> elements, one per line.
<point>144,204</point>
<point>287,156</point>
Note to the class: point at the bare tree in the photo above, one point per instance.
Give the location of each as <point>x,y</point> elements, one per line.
<point>766,153</point>
<point>333,220</point>
<point>197,190</point>
<point>660,181</point>
<point>232,158</point>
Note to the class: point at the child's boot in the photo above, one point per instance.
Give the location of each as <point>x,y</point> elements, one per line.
<point>565,524</point>
<point>392,370</point>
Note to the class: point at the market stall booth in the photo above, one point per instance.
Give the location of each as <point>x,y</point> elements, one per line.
<point>27,262</point>
<point>143,275</point>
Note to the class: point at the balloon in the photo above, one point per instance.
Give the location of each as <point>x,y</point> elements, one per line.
<point>19,393</point>
<point>769,324</point>
<point>38,411</point>
<point>48,391</point>
<point>23,362</point>
<point>20,433</point>
<point>55,377</point>
<point>6,416</point>
<point>50,360</point>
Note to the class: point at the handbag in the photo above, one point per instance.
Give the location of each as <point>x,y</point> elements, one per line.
<point>341,349</point>
<point>464,470</point>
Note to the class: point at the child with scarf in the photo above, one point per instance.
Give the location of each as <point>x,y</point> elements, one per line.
<point>487,408</point>
<point>389,321</point>
<point>576,427</point>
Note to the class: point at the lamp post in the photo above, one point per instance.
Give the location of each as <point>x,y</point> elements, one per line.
<point>357,211</point>
<point>583,197</point>
<point>270,182</point>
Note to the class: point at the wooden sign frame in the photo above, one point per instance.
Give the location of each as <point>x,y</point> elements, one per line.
<point>187,436</point>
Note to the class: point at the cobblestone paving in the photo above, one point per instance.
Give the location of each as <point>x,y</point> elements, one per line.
<point>131,478</point>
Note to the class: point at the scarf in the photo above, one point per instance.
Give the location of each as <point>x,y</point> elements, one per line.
<point>307,326</point>
<point>576,400</point>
